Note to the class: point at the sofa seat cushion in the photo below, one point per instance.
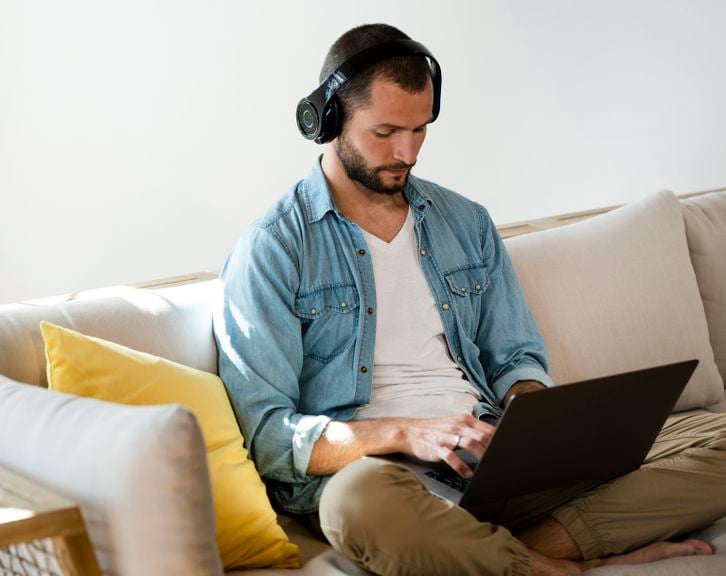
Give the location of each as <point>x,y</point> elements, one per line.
<point>248,535</point>
<point>705,218</point>
<point>118,463</point>
<point>616,293</point>
<point>318,557</point>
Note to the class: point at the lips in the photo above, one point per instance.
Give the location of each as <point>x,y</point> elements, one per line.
<point>397,171</point>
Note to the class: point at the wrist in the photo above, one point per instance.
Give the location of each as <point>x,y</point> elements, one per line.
<point>521,387</point>
<point>398,436</point>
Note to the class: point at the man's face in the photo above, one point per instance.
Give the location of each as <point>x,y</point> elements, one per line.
<point>380,142</point>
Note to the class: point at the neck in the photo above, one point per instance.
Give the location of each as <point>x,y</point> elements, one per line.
<point>380,214</point>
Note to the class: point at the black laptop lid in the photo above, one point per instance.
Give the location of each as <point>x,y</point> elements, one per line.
<point>590,431</point>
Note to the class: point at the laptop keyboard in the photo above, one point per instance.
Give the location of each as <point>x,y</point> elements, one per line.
<point>449,477</point>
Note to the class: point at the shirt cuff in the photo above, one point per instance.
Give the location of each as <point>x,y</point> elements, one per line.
<point>502,386</point>
<point>307,432</point>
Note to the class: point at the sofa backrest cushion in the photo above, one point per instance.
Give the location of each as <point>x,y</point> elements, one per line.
<point>705,218</point>
<point>139,475</point>
<point>174,323</point>
<point>616,293</point>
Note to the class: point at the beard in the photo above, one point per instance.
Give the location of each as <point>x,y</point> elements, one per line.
<point>371,177</point>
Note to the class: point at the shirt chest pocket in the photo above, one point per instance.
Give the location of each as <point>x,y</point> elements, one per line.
<point>467,287</point>
<point>329,320</point>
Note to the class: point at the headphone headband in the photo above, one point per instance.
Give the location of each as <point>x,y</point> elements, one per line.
<point>319,116</point>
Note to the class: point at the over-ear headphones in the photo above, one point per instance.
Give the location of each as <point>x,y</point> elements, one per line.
<point>319,115</point>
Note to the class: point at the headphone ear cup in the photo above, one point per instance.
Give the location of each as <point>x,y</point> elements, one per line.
<point>331,122</point>
<point>308,119</point>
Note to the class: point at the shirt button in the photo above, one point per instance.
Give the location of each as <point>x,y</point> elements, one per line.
<point>343,304</point>
<point>463,290</point>
<point>362,252</point>
<point>478,286</point>
<point>458,358</point>
<point>422,252</point>
<point>363,369</point>
<point>313,311</point>
<point>370,310</point>
<point>445,306</point>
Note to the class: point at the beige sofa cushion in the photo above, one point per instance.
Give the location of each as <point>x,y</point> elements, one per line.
<point>705,218</point>
<point>138,473</point>
<point>174,323</point>
<point>616,293</point>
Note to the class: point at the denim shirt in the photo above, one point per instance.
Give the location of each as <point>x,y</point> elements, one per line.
<point>296,323</point>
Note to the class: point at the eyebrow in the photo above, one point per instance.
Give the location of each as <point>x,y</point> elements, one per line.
<point>396,127</point>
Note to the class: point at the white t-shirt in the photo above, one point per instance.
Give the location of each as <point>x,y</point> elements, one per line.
<point>413,373</point>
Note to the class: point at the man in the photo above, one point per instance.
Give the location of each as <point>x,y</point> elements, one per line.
<point>371,312</point>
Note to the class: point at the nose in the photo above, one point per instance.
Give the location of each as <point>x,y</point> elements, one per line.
<point>406,147</point>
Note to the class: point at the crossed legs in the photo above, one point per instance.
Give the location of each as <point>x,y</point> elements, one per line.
<point>379,516</point>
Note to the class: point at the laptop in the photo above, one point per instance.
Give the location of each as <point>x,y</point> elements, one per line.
<point>591,431</point>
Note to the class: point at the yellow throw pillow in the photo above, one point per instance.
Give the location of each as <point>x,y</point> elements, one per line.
<point>248,535</point>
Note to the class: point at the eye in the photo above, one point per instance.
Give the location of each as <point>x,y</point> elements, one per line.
<point>383,133</point>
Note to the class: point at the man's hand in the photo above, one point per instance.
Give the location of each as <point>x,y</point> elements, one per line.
<point>436,439</point>
<point>522,387</point>
<point>428,439</point>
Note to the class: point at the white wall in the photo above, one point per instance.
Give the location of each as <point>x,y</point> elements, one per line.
<point>139,138</point>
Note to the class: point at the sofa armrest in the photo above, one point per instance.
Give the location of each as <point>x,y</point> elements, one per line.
<point>139,475</point>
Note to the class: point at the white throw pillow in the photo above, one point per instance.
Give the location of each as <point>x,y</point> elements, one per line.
<point>617,293</point>
<point>705,218</point>
<point>138,473</point>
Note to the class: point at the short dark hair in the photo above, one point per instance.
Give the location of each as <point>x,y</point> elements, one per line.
<point>411,73</point>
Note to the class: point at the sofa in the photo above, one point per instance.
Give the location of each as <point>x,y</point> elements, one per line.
<point>636,286</point>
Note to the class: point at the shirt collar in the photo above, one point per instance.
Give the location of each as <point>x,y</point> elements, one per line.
<point>418,200</point>
<point>319,201</point>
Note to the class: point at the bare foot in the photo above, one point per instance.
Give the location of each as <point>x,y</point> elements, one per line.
<point>654,552</point>
<point>545,566</point>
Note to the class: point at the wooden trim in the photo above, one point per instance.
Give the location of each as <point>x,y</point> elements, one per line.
<point>29,511</point>
<point>177,280</point>
<point>75,555</point>
<point>114,290</point>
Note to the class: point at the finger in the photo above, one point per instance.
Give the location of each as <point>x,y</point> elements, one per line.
<point>457,441</point>
<point>459,466</point>
<point>473,447</point>
<point>481,434</point>
<point>476,424</point>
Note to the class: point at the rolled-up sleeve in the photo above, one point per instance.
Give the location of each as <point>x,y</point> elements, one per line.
<point>261,356</point>
<point>510,344</point>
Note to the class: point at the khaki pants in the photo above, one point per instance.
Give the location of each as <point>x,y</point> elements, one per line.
<point>379,515</point>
